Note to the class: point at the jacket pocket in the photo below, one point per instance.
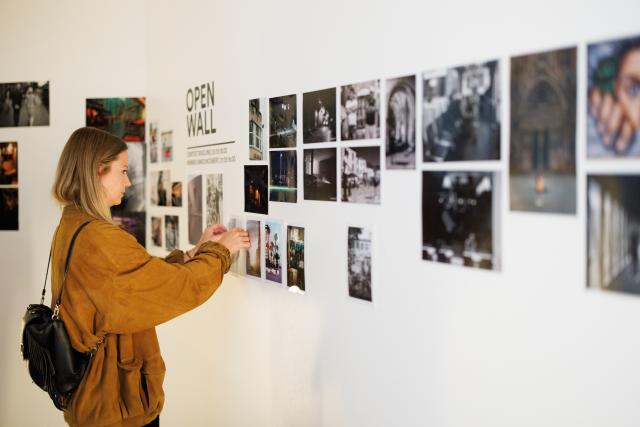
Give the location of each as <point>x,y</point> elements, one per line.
<point>130,379</point>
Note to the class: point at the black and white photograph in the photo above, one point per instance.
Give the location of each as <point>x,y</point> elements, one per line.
<point>283,122</point>
<point>320,178</point>
<point>153,142</point>
<point>176,194</point>
<point>257,132</point>
<point>130,214</point>
<point>24,104</point>
<point>359,258</point>
<point>461,113</point>
<point>171,232</point>
<point>613,116</point>
<point>214,199</point>
<point>542,162</point>
<point>194,208</point>
<point>256,198</point>
<point>283,179</point>
<point>360,111</point>
<point>460,218</point>
<point>273,252</point>
<point>613,233</point>
<point>156,231</point>
<point>8,163</point>
<point>361,175</point>
<point>319,116</point>
<point>161,188</point>
<point>122,117</point>
<point>238,260</point>
<point>167,146</point>
<point>400,141</point>
<point>254,253</point>
<point>295,259</point>
<point>8,209</point>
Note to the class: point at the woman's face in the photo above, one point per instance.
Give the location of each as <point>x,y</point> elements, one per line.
<point>116,180</point>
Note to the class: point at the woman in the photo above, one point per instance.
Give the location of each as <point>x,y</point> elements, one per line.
<point>116,290</point>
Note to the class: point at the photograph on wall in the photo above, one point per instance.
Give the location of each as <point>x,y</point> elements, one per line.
<point>176,194</point>
<point>156,231</point>
<point>283,180</point>
<point>171,232</point>
<point>359,262</point>
<point>613,115</point>
<point>319,116</point>
<point>613,233</point>
<point>460,218</point>
<point>122,117</point>
<point>360,111</point>
<point>167,146</point>
<point>254,253</point>
<point>194,208</point>
<point>295,259</point>
<point>273,253</point>
<point>542,162</point>
<point>153,142</point>
<point>9,163</point>
<point>214,199</point>
<point>361,175</point>
<point>320,178</point>
<point>400,141</point>
<point>238,260</point>
<point>160,188</point>
<point>461,113</point>
<point>130,214</point>
<point>24,104</point>
<point>8,209</point>
<point>257,131</point>
<point>255,189</point>
<point>283,127</point>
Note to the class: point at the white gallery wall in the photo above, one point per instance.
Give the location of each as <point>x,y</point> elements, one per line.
<point>440,345</point>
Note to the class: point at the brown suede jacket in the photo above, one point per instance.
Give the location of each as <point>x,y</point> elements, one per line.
<point>115,287</point>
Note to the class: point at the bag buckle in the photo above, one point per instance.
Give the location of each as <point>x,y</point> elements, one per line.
<point>56,312</point>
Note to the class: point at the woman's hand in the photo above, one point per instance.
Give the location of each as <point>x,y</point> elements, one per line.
<point>210,234</point>
<point>234,240</point>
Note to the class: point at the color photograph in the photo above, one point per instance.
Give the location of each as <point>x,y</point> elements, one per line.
<point>460,219</point>
<point>160,188</point>
<point>257,132</point>
<point>613,233</point>
<point>176,194</point>
<point>361,175</point>
<point>24,104</point>
<point>283,129</point>
<point>256,190</point>
<point>319,116</point>
<point>283,180</point>
<point>543,132</point>
<point>359,262</point>
<point>8,209</point>
<point>167,146</point>
<point>400,140</point>
<point>613,115</point>
<point>122,117</point>
<point>156,231</point>
<point>153,142</point>
<point>273,252</point>
<point>295,259</point>
<point>9,163</point>
<point>254,253</point>
<point>320,178</point>
<point>194,208</point>
<point>461,113</point>
<point>360,111</point>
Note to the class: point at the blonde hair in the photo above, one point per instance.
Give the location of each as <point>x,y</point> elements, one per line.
<point>88,153</point>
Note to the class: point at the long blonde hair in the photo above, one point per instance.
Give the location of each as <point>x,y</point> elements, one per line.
<point>88,152</point>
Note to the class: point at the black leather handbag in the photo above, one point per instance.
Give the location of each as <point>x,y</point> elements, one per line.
<point>54,365</point>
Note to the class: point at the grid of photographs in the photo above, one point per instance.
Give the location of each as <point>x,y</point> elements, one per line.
<point>460,218</point>
<point>613,113</point>
<point>283,179</point>
<point>613,233</point>
<point>273,253</point>
<point>400,138</point>
<point>359,261</point>
<point>283,128</point>
<point>257,132</point>
<point>24,104</point>
<point>461,113</point>
<point>319,116</point>
<point>122,117</point>
<point>542,162</point>
<point>360,111</point>
<point>256,189</point>
<point>320,178</point>
<point>361,175</point>
<point>295,259</point>
<point>9,218</point>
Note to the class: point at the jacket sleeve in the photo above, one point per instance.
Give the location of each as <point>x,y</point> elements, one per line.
<point>134,291</point>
